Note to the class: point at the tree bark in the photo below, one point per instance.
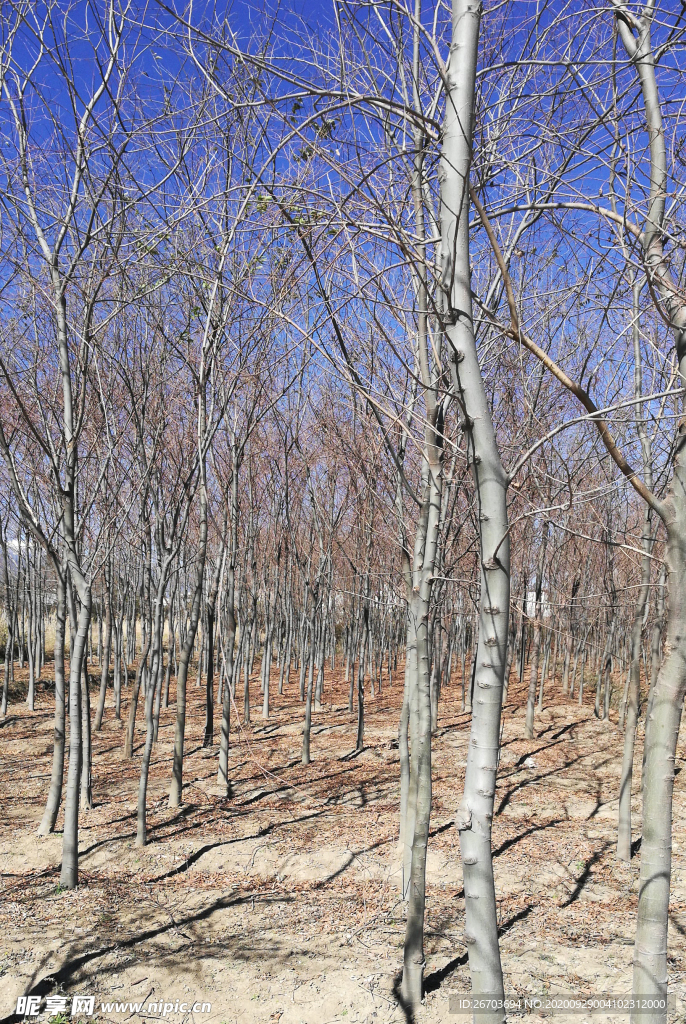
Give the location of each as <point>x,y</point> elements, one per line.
<point>107,650</point>
<point>86,795</point>
<point>70,843</point>
<point>475,813</point>
<point>631,714</point>
<point>176,789</point>
<point>55,792</point>
<point>536,645</point>
<point>152,693</point>
<point>228,652</point>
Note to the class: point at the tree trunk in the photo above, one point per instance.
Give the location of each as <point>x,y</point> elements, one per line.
<point>662,730</point>
<point>228,653</point>
<point>70,843</point>
<point>246,676</point>
<point>406,820</point>
<point>310,688</point>
<point>176,789</point>
<point>208,735</point>
<point>475,813</point>
<point>633,695</point>
<point>151,698</point>
<point>536,645</point>
<point>86,797</point>
<point>29,585</point>
<point>359,742</point>
<point>656,639</point>
<point>131,724</point>
<point>104,675</point>
<point>420,783</point>
<point>55,792</point>
<point>9,643</point>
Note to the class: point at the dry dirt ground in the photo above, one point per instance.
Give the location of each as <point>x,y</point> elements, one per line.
<point>281,903</point>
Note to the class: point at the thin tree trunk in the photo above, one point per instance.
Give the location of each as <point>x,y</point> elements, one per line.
<point>359,742</point>
<point>9,643</point>
<point>151,699</point>
<point>106,653</point>
<point>55,792</point>
<point>228,651</point>
<point>176,788</point>
<point>406,824</point>
<point>656,639</point>
<point>624,818</point>
<point>475,813</point>
<point>70,842</point>
<point>305,757</point>
<point>86,797</point>
<point>536,645</point>
<point>131,724</point>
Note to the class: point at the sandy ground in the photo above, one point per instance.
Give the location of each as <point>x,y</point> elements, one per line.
<point>281,903</point>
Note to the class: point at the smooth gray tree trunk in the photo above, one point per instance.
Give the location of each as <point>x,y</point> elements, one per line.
<point>228,652</point>
<point>666,702</point>
<point>475,812</point>
<point>536,643</point>
<point>86,797</point>
<point>55,792</point>
<point>70,843</point>
<point>631,715</point>
<point>176,788</point>
<point>107,650</point>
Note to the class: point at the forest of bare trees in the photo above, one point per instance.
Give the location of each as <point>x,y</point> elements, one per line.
<point>342,388</point>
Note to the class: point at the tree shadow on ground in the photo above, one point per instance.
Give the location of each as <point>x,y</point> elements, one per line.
<point>532,753</point>
<point>265,731</point>
<point>584,876</point>
<point>433,981</point>
<point>565,728</point>
<point>679,927</point>
<point>352,754</point>
<point>266,830</point>
<point>507,797</point>
<point>330,728</point>
<point>73,965</point>
<point>352,857</point>
<point>508,843</point>
<point>598,801</point>
<point>179,817</point>
<point>445,729</point>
